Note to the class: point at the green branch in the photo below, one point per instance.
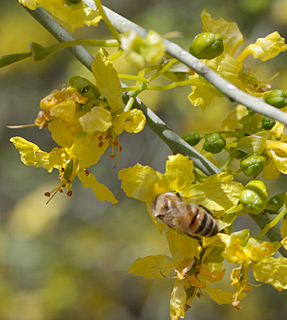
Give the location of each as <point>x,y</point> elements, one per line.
<point>174,141</point>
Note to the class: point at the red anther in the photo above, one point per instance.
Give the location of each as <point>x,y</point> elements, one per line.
<point>100,144</point>
<point>87,172</point>
<point>100,138</point>
<point>112,155</point>
<point>116,143</point>
<point>69,193</point>
<point>121,148</point>
<point>61,190</point>
<point>47,194</point>
<point>63,170</point>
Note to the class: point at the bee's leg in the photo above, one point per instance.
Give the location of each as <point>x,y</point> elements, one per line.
<point>197,238</point>
<point>194,236</point>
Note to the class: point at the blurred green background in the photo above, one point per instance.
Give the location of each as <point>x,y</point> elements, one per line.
<point>69,259</point>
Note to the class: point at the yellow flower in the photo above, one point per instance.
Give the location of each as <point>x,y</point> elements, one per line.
<point>231,68</point>
<point>141,50</point>
<point>144,183</point>
<point>84,120</point>
<point>253,254</point>
<point>71,15</point>
<point>69,166</point>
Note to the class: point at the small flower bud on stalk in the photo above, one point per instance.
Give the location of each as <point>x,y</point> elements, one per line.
<point>254,197</point>
<point>207,45</point>
<point>252,165</point>
<point>277,98</point>
<point>214,143</point>
<point>268,123</point>
<point>192,137</point>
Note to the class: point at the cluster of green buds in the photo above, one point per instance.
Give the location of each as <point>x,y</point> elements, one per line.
<point>213,143</point>
<point>207,45</point>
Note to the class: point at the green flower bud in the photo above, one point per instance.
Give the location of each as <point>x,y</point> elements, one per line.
<point>276,202</point>
<point>268,123</point>
<point>277,98</point>
<point>207,45</point>
<point>252,165</point>
<point>214,143</point>
<point>192,137</point>
<point>254,197</point>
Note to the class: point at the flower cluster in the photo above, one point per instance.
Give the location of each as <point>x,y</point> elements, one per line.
<point>229,67</point>
<point>84,120</point>
<point>198,264</point>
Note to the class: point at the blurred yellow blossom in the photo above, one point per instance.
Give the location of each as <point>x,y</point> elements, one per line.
<point>141,50</point>
<point>71,15</point>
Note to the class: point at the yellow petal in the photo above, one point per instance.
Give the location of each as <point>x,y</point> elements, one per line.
<point>218,192</point>
<point>277,150</point>
<point>201,95</point>
<point>98,119</point>
<point>272,271</point>
<point>153,267</point>
<point>63,132</point>
<point>72,16</point>
<point>57,157</point>
<point>232,121</point>
<point>31,4</point>
<point>131,121</point>
<point>284,232</point>
<point>265,48</point>
<point>156,48</point>
<point>89,149</point>
<point>142,183</point>
<point>232,36</point>
<point>182,246</point>
<point>179,173</point>
<point>140,50</point>
<point>100,190</point>
<point>31,155</point>
<point>64,110</point>
<point>178,299</point>
<point>203,92</point>
<point>221,296</point>
<point>107,80</point>
<point>227,67</point>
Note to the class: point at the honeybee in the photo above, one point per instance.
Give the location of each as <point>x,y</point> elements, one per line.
<point>184,217</point>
